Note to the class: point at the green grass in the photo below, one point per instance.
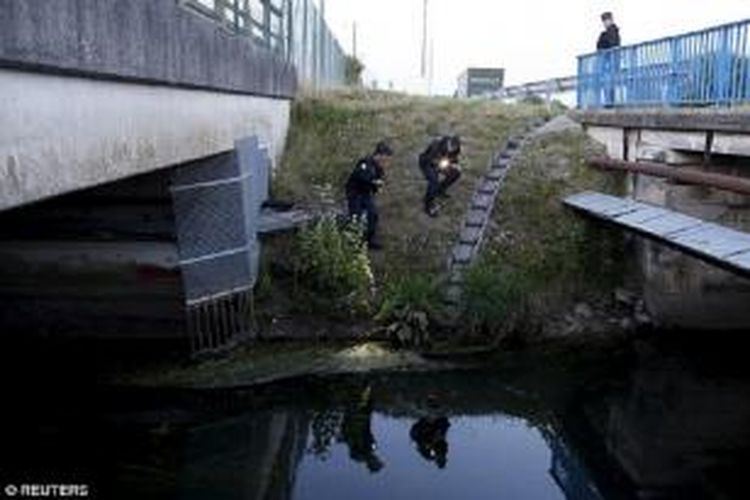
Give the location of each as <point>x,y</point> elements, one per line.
<point>538,257</point>
<point>329,133</point>
<point>554,256</point>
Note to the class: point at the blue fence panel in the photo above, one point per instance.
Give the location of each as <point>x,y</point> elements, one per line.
<point>702,68</point>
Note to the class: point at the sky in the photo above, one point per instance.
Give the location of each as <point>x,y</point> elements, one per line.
<point>532,39</point>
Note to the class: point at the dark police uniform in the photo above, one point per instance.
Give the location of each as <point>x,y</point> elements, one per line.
<point>428,163</point>
<point>360,193</point>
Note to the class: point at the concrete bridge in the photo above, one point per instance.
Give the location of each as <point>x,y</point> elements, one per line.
<point>136,141</point>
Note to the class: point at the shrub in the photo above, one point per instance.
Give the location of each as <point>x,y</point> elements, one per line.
<point>409,303</point>
<point>494,297</point>
<point>332,269</point>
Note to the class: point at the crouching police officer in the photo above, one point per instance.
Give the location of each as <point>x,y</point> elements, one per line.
<point>364,182</point>
<point>441,158</point>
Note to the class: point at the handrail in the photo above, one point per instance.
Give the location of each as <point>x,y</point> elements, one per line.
<point>699,68</point>
<point>671,37</point>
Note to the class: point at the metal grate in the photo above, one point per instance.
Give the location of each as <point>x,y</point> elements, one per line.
<point>217,209</point>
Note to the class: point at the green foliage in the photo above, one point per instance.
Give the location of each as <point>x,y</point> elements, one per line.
<point>353,71</point>
<point>329,132</point>
<point>494,296</point>
<point>419,292</point>
<point>533,99</point>
<point>332,269</point>
<point>409,303</point>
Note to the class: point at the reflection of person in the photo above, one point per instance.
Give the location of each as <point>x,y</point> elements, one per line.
<point>441,158</point>
<point>356,432</point>
<point>608,39</point>
<point>363,183</point>
<point>429,434</point>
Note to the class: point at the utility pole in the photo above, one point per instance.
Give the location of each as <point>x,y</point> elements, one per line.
<point>424,40</point>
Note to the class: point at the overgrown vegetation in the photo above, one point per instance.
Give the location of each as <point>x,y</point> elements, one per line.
<point>332,272</point>
<point>410,305</point>
<point>353,71</point>
<point>329,133</point>
<point>541,257</point>
<point>495,296</point>
<point>538,257</point>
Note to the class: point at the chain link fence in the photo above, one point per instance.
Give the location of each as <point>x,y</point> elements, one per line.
<point>295,29</point>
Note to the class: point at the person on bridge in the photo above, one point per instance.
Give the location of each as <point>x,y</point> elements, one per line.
<point>363,184</point>
<point>610,37</point>
<point>609,61</point>
<point>441,158</point>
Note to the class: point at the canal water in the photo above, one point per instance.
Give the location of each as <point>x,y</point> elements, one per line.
<point>649,421</point>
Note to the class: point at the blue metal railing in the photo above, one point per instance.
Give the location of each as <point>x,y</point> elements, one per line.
<point>703,68</point>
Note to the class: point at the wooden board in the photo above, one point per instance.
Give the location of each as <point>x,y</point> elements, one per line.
<point>719,244</point>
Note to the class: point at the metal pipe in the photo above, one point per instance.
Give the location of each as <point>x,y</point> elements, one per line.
<point>687,175</point>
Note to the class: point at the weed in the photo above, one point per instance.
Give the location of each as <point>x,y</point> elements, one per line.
<point>332,269</point>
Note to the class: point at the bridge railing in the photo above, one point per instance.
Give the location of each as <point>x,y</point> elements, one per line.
<point>703,68</point>
<point>295,29</point>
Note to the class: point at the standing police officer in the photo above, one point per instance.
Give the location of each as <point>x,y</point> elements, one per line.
<point>364,182</point>
<point>440,158</point>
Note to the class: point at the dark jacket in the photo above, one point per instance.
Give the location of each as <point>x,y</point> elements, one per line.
<point>436,151</point>
<point>609,39</point>
<point>364,177</point>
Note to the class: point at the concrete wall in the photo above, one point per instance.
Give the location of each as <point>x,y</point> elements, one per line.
<point>682,291</point>
<point>60,134</point>
<point>157,41</point>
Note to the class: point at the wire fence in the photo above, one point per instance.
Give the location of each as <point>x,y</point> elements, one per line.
<point>295,29</point>
<point>703,68</point>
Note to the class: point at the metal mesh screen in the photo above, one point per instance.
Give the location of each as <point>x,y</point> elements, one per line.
<point>217,205</point>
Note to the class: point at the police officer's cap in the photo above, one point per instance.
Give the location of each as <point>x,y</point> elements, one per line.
<point>383,149</point>
<point>607,16</point>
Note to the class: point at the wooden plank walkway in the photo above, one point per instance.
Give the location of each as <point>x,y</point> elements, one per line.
<point>718,244</point>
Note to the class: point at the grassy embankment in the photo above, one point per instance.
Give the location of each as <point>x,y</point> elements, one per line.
<point>329,133</point>
<point>541,259</point>
<point>540,256</point>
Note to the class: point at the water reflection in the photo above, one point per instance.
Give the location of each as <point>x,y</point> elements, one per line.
<point>429,434</point>
<point>356,432</point>
<point>648,423</point>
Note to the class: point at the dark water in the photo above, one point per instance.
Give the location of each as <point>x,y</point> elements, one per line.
<point>648,421</point>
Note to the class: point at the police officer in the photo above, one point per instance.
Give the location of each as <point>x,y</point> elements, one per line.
<point>364,182</point>
<point>441,158</point>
